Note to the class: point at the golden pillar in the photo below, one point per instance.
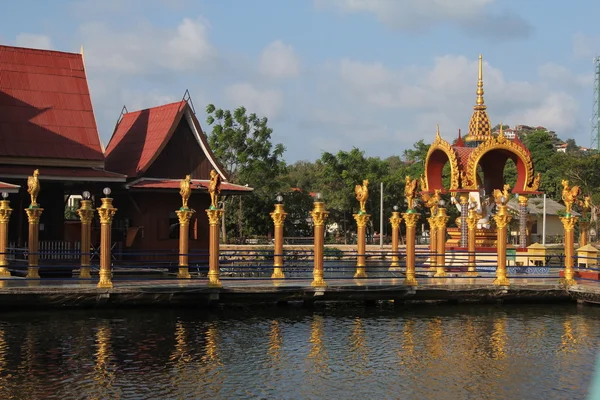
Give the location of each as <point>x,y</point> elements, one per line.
<point>441,219</point>
<point>319,215</point>
<point>106,212</point>
<point>432,242</point>
<point>33,216</point>
<point>464,215</point>
<point>502,219</point>
<point>86,215</point>
<point>5,212</point>
<point>361,222</point>
<point>214,217</point>
<point>569,222</point>
<point>410,219</point>
<point>472,225</point>
<point>395,221</point>
<point>184,215</point>
<point>278,219</point>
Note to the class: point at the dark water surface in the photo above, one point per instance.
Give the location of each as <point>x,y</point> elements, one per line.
<point>337,352</point>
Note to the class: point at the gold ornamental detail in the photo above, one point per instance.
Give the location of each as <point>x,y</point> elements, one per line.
<point>214,216</point>
<point>440,144</point>
<point>106,211</point>
<point>278,215</point>
<point>86,212</point>
<point>411,219</point>
<point>569,223</point>
<point>502,217</point>
<point>5,211</point>
<point>34,214</point>
<point>318,214</point>
<point>361,219</point>
<point>395,220</point>
<point>184,216</point>
<point>501,143</point>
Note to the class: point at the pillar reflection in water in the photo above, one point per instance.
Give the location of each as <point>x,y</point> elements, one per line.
<point>275,344</point>
<point>498,339</point>
<point>210,363</point>
<point>104,366</point>
<point>359,350</point>
<point>568,338</point>
<point>317,359</point>
<point>435,342</point>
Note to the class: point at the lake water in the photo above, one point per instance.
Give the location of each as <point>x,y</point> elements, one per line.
<point>333,352</point>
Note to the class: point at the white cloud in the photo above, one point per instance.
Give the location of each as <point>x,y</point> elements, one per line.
<point>147,48</point>
<point>278,60</point>
<point>266,103</point>
<point>414,99</point>
<point>419,16</point>
<point>34,41</point>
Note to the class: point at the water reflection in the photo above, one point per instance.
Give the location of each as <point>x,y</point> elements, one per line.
<point>434,353</point>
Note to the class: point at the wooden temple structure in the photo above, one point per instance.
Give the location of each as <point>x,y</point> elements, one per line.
<point>47,123</point>
<point>477,165</point>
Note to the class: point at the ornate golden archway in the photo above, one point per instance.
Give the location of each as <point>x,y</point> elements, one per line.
<point>440,152</point>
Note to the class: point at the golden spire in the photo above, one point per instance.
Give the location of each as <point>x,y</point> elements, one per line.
<point>480,128</point>
<point>480,83</point>
<point>437,131</point>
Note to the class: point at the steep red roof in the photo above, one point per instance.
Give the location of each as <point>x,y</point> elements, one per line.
<point>139,137</point>
<point>45,106</point>
<point>202,184</point>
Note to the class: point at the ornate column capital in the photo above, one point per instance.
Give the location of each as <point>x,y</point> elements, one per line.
<point>319,214</point>
<point>5,211</point>
<point>106,211</point>
<point>569,222</point>
<point>502,217</point>
<point>34,214</point>
<point>410,219</point>
<point>184,215</point>
<point>278,215</point>
<point>523,200</point>
<point>395,219</point>
<point>214,215</point>
<point>361,219</point>
<point>86,212</point>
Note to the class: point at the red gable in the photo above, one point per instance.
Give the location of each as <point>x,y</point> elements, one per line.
<point>45,107</point>
<point>141,136</point>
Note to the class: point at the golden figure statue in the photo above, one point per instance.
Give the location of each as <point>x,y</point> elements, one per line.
<point>432,201</point>
<point>536,181</point>
<point>410,190</point>
<point>362,194</point>
<point>586,204</point>
<point>422,183</point>
<point>214,188</point>
<point>33,188</point>
<point>569,195</point>
<point>498,194</point>
<point>185,191</point>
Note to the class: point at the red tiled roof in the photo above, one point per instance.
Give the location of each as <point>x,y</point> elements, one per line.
<point>140,136</point>
<point>61,173</point>
<point>45,106</point>
<point>9,188</point>
<point>462,155</point>
<point>202,184</point>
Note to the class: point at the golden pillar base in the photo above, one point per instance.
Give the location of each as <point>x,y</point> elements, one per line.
<point>84,272</point>
<point>33,273</point>
<point>567,281</point>
<point>184,273</point>
<point>4,272</point>
<point>361,272</point>
<point>411,279</point>
<point>318,281</point>
<point>502,281</point>
<point>440,272</point>
<point>277,272</point>
<point>213,280</point>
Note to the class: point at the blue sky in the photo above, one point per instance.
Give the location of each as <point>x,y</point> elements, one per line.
<point>331,74</point>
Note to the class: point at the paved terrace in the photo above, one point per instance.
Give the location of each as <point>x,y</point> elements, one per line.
<point>19,293</point>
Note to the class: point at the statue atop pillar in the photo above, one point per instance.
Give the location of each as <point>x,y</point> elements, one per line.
<point>569,195</point>
<point>214,188</point>
<point>33,188</point>
<point>410,191</point>
<point>362,194</point>
<point>185,191</point>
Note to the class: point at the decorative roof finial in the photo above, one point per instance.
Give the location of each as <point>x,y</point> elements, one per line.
<point>437,131</point>
<point>480,82</point>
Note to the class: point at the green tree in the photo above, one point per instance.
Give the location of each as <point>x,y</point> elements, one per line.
<point>242,143</point>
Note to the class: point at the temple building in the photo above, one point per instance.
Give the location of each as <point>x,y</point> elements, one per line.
<point>477,165</point>
<point>47,123</point>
